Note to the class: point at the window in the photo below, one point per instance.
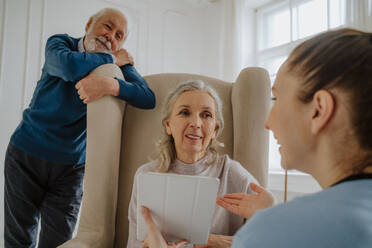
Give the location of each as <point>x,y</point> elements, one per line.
<point>281,26</point>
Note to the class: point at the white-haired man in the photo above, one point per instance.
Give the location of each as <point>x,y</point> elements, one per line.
<point>44,163</point>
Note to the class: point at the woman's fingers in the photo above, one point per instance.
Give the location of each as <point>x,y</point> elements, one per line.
<point>228,238</point>
<point>231,201</point>
<point>256,188</point>
<point>144,244</point>
<point>219,241</point>
<point>232,208</point>
<point>146,214</point>
<point>237,196</point>
<point>178,244</point>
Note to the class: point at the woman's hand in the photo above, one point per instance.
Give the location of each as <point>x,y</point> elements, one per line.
<point>154,237</point>
<point>246,205</point>
<point>217,241</point>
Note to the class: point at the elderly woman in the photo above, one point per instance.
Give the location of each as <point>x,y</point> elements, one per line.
<point>322,119</point>
<point>192,120</point>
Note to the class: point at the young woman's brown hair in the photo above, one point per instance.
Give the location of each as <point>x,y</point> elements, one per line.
<point>342,59</point>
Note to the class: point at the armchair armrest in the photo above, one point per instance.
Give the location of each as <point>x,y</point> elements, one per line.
<point>251,104</point>
<point>98,210</point>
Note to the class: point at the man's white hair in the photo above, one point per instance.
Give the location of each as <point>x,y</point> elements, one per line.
<point>102,12</point>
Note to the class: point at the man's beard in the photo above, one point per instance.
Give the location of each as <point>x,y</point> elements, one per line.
<point>92,44</point>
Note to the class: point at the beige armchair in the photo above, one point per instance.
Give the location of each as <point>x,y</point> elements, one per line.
<point>120,138</point>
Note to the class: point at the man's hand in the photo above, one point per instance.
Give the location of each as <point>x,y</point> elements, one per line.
<point>154,238</point>
<point>217,241</point>
<point>246,205</point>
<point>94,86</point>
<point>123,57</point>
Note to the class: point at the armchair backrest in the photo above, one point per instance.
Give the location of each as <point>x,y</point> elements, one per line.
<point>119,141</point>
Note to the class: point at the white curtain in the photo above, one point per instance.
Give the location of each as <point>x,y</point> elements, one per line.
<point>359,14</point>
<point>232,62</point>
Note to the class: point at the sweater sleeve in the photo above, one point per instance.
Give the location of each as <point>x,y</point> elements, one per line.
<point>64,61</point>
<point>239,177</point>
<point>132,217</point>
<point>134,89</point>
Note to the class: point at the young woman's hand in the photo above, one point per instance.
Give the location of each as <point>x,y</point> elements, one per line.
<point>154,237</point>
<point>246,205</point>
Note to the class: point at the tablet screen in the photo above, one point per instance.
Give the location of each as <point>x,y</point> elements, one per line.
<point>182,206</point>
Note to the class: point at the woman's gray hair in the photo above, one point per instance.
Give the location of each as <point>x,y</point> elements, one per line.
<point>166,148</point>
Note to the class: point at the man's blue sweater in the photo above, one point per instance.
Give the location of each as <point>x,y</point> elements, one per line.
<point>53,127</point>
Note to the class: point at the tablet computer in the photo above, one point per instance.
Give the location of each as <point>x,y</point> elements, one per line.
<point>182,206</point>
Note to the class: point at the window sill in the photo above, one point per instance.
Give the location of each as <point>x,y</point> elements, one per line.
<point>297,182</point>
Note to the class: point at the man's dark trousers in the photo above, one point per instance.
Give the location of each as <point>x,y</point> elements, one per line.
<point>39,190</point>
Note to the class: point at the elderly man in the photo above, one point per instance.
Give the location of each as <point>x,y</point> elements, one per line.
<point>44,163</point>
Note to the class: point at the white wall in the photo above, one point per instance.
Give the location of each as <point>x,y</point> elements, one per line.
<point>165,36</point>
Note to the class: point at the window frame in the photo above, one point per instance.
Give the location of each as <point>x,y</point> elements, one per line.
<point>297,181</point>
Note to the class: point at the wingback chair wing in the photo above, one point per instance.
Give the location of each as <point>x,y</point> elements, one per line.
<point>120,138</point>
